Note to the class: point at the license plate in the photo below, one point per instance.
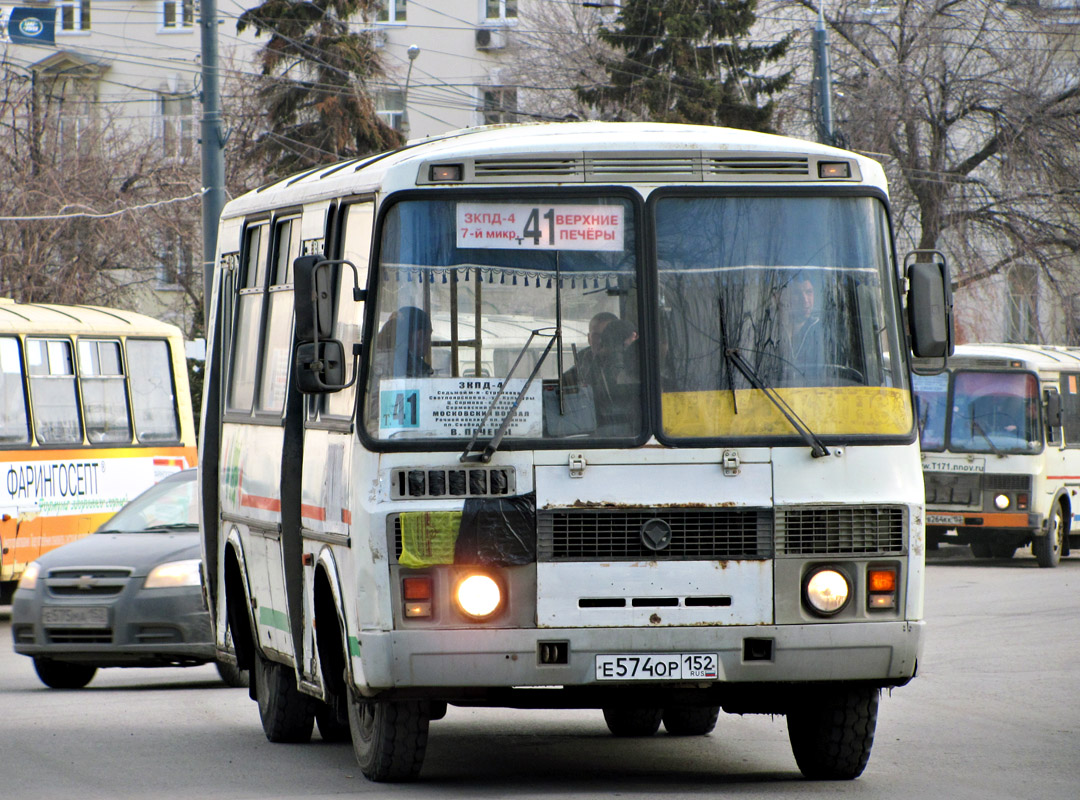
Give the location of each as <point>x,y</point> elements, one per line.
<point>76,616</point>
<point>657,666</point>
<point>944,519</point>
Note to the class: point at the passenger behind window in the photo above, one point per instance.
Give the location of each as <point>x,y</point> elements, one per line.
<point>616,379</point>
<point>583,371</point>
<point>403,344</point>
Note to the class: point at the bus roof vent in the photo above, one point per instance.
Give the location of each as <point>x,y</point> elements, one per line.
<point>554,168</point>
<point>643,167</point>
<point>757,166</point>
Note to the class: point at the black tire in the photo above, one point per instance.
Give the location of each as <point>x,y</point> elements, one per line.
<point>981,549</point>
<point>333,722</point>
<point>287,714</point>
<point>690,720</point>
<point>831,735</point>
<point>63,674</point>
<point>389,739</point>
<point>633,720</point>
<point>232,675</point>
<point>1047,547</point>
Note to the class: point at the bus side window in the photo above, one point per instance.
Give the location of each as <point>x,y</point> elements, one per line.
<point>248,320</point>
<point>14,425</point>
<point>1070,408</point>
<point>275,365</point>
<point>349,315</point>
<point>153,392</point>
<point>104,394</point>
<point>52,391</point>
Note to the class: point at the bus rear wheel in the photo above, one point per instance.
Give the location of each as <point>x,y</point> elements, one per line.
<point>832,733</point>
<point>632,720</point>
<point>287,714</point>
<point>389,739</point>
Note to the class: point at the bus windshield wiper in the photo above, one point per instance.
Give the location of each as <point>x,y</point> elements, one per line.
<point>977,428</point>
<point>734,357</point>
<point>485,455</point>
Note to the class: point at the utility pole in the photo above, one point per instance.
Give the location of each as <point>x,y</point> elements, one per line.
<point>212,143</point>
<point>821,100</point>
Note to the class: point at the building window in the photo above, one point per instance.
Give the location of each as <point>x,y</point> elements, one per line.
<point>177,126</point>
<point>501,9</point>
<point>74,15</point>
<point>498,104</point>
<point>390,107</point>
<point>177,14</point>
<point>1023,319</point>
<point>176,261</point>
<point>390,11</point>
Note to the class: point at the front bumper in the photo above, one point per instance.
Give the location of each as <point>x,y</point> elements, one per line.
<point>157,627</point>
<point>884,653</point>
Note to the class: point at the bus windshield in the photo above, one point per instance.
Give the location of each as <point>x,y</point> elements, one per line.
<point>995,412</point>
<point>807,306</point>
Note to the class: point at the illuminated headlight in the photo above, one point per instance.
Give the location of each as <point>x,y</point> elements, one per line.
<point>827,591</point>
<point>1001,501</point>
<point>173,574</point>
<point>479,596</point>
<point>30,576</point>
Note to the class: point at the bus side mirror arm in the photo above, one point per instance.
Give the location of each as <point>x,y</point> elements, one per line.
<point>929,306</point>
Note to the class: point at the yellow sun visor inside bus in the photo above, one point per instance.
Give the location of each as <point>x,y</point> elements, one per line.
<point>428,537</point>
<point>826,410</point>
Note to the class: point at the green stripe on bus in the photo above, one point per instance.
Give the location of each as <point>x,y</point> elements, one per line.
<point>354,646</point>
<point>273,618</point>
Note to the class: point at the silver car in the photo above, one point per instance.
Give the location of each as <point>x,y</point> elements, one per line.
<point>128,595</point>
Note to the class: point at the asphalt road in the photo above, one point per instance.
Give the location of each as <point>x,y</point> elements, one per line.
<point>994,713</point>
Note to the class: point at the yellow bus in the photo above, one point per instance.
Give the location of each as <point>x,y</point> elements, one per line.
<point>94,408</point>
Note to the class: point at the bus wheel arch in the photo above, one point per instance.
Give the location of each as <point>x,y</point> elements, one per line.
<point>237,612</point>
<point>331,714</point>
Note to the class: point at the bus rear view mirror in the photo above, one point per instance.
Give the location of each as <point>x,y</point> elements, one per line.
<point>320,366</point>
<point>1053,408</point>
<point>312,298</point>
<point>929,305</point>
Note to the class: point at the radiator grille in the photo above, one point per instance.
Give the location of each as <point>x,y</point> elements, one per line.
<point>407,484</point>
<point>1007,483</point>
<point>79,635</point>
<point>90,582</point>
<point>615,535</point>
<point>818,530</point>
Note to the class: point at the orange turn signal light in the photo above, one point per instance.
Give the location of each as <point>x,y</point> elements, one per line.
<point>882,580</point>
<point>416,591</point>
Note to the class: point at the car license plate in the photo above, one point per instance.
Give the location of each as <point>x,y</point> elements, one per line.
<point>76,616</point>
<point>944,519</point>
<point>657,666</point>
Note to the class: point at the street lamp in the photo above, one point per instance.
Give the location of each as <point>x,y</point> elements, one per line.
<point>413,52</point>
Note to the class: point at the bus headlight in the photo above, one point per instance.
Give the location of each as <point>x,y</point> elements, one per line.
<point>479,596</point>
<point>1001,501</point>
<point>173,574</point>
<point>826,591</point>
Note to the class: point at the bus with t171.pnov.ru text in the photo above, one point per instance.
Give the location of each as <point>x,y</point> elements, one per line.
<point>582,415</point>
<point>94,409</point>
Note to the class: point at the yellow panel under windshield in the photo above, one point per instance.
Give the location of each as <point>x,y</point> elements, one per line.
<point>826,410</point>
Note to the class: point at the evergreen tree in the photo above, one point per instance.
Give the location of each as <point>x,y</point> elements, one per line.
<point>683,61</point>
<point>313,92</point>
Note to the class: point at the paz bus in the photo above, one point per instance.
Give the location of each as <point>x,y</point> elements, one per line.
<point>94,408</point>
<point>583,415</point>
<point>1000,432</point>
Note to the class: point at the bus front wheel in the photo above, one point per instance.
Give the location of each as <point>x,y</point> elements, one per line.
<point>389,739</point>
<point>832,733</point>
<point>287,714</point>
<point>1047,547</point>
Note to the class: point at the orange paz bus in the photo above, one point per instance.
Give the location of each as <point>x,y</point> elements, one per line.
<point>94,408</point>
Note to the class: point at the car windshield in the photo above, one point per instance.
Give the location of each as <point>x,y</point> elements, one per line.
<point>171,504</point>
<point>995,412</point>
<point>470,287</point>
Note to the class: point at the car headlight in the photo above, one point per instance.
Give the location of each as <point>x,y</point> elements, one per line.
<point>30,576</point>
<point>173,574</point>
<point>478,596</point>
<point>827,591</point>
<point>1001,501</point>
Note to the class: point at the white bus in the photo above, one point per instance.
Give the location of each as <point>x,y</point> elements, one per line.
<point>1000,434</point>
<point>584,415</point>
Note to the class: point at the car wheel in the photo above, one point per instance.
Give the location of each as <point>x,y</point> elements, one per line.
<point>63,674</point>
<point>690,720</point>
<point>1047,547</point>
<point>232,674</point>
<point>632,720</point>
<point>981,549</point>
<point>831,734</point>
<point>389,739</point>
<point>287,714</point>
